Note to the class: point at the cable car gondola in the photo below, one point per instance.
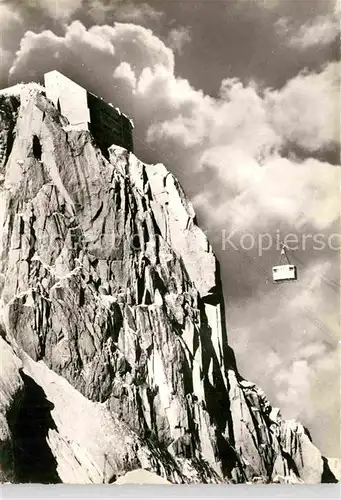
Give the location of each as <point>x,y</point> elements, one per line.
<point>284,272</point>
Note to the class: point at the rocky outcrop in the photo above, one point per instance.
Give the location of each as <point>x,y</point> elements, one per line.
<point>141,476</point>
<point>112,294</point>
<point>334,465</point>
<point>11,394</point>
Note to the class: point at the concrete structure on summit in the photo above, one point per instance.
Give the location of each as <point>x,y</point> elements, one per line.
<point>85,111</point>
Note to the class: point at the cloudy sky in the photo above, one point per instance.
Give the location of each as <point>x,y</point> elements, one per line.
<point>240,100</point>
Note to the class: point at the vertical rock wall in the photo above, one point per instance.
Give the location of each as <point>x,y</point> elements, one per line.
<point>107,279</point>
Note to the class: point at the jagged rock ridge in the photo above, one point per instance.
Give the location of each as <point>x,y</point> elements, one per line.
<point>111,304</point>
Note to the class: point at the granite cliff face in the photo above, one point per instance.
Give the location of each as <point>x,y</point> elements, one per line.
<point>112,323</point>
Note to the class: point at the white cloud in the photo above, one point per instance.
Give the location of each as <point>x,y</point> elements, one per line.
<point>305,111</point>
<point>259,196</point>
<point>322,31</point>
<point>139,13</point>
<point>243,120</point>
<point>61,10</point>
<point>6,59</point>
<point>11,28</point>
<point>319,31</point>
<point>178,38</point>
<point>125,72</point>
<point>238,136</point>
<point>127,11</point>
<point>101,49</point>
<point>8,17</point>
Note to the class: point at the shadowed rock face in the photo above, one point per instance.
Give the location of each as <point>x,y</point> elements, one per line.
<point>105,277</point>
<point>11,394</point>
<point>33,458</point>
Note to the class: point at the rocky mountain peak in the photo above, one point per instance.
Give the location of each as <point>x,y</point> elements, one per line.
<point>113,322</point>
